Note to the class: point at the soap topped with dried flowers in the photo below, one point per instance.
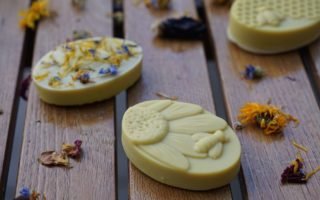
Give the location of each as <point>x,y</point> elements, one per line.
<point>269,26</point>
<point>87,71</point>
<point>181,144</point>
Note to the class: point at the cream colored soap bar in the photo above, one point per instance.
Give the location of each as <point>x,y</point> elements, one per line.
<point>274,26</point>
<point>180,144</point>
<point>86,71</point>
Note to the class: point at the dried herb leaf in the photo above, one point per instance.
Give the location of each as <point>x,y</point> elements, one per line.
<point>53,158</point>
<point>181,28</point>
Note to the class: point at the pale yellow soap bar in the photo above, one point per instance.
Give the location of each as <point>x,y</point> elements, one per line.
<point>87,71</point>
<point>274,26</point>
<point>180,144</point>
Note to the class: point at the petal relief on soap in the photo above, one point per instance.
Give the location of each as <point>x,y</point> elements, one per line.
<point>166,155</point>
<point>179,110</point>
<point>267,16</point>
<point>184,144</point>
<point>198,123</point>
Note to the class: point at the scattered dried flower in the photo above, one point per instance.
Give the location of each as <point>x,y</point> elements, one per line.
<point>55,81</point>
<point>267,117</point>
<point>25,87</point>
<point>299,146</point>
<point>253,72</point>
<point>79,4</point>
<point>53,158</point>
<point>73,150</point>
<point>181,28</point>
<point>163,95</point>
<point>25,192</point>
<point>294,172</point>
<point>161,4</point>
<point>38,10</point>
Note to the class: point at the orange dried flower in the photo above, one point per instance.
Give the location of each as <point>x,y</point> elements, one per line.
<point>37,10</point>
<point>267,117</point>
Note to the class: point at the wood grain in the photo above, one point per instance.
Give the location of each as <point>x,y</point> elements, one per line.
<point>11,42</point>
<point>47,127</point>
<point>176,68</point>
<point>265,157</point>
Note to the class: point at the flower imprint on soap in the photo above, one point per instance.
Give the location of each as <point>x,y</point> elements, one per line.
<point>171,132</point>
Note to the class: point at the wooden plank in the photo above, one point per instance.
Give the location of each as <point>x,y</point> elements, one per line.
<point>11,42</point>
<point>47,127</point>
<point>172,67</point>
<point>265,157</point>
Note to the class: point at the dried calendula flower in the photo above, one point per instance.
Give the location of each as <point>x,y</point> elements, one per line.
<point>72,150</point>
<point>180,28</point>
<point>161,4</point>
<point>267,117</point>
<point>53,158</point>
<point>38,10</point>
<point>253,72</point>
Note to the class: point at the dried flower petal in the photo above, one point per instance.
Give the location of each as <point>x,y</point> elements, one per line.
<point>163,95</point>
<point>53,158</point>
<point>267,117</point>
<point>181,28</point>
<point>299,146</point>
<point>72,150</point>
<point>111,70</point>
<point>38,10</point>
<point>25,192</point>
<point>294,172</point>
<point>253,72</point>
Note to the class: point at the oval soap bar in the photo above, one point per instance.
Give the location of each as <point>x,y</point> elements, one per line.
<point>87,71</point>
<point>274,26</point>
<point>180,144</point>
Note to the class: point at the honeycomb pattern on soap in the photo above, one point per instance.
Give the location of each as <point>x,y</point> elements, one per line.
<point>246,11</point>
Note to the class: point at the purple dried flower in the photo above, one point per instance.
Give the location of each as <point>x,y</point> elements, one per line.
<point>253,72</point>
<point>25,192</point>
<point>111,70</point>
<point>84,78</point>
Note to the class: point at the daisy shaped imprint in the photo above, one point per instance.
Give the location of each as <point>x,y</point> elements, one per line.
<point>181,144</point>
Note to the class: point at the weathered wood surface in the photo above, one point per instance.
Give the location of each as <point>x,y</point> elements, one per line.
<point>176,68</point>
<point>265,157</point>
<point>47,127</point>
<point>11,43</point>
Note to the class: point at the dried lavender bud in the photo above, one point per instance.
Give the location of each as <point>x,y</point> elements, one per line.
<point>253,72</point>
<point>181,28</point>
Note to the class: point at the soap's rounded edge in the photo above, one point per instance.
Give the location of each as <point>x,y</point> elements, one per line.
<point>190,181</point>
<point>133,74</point>
<point>266,52</point>
<point>252,48</point>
